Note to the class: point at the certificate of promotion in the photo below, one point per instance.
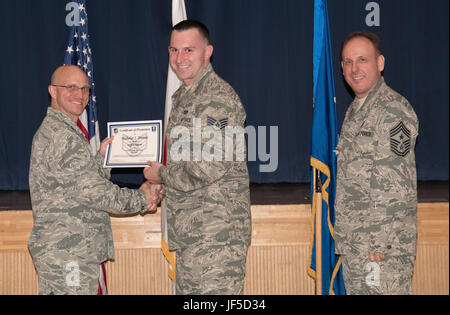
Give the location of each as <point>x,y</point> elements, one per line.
<point>135,143</point>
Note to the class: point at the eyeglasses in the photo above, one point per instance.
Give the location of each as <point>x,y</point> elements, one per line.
<point>74,88</point>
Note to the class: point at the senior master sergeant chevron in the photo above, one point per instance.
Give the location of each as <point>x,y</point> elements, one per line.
<point>72,196</point>
<point>376,194</point>
<point>208,202</point>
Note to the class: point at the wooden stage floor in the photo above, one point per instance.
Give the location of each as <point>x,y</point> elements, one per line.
<point>261,194</point>
<point>277,259</point>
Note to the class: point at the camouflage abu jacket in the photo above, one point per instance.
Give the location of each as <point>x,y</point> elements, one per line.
<point>376,193</point>
<point>71,197</point>
<point>206,200</point>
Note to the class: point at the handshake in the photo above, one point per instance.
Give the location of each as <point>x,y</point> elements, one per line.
<point>154,193</point>
<point>153,190</point>
<point>152,187</point>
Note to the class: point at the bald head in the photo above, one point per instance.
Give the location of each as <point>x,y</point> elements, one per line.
<point>66,70</point>
<point>66,91</point>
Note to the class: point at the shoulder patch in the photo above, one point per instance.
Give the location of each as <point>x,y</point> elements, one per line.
<point>400,139</point>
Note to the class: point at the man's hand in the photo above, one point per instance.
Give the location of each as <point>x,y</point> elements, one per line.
<point>104,145</point>
<point>151,172</point>
<point>153,194</point>
<point>376,257</point>
<point>157,192</point>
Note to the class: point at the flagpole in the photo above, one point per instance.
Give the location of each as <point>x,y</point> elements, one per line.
<point>318,229</point>
<point>328,275</point>
<point>178,15</point>
<point>79,53</point>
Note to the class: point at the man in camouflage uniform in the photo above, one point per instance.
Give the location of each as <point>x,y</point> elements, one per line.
<point>376,196</point>
<point>72,196</point>
<point>208,204</point>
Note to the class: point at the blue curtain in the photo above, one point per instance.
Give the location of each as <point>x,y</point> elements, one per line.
<point>263,48</point>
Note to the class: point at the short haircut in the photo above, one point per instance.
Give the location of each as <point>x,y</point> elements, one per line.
<point>373,38</point>
<point>190,24</point>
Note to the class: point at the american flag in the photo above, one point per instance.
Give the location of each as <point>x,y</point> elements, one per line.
<point>79,53</point>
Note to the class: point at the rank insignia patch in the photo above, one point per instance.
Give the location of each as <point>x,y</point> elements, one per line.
<point>400,139</point>
<point>221,123</point>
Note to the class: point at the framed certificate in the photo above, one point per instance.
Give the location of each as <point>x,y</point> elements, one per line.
<point>135,143</point>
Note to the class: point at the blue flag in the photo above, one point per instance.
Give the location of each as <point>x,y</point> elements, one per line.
<point>323,157</point>
<point>79,53</point>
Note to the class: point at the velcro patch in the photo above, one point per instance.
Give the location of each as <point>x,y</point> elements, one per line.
<point>400,139</point>
<point>366,133</point>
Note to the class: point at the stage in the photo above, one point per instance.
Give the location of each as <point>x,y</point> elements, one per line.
<point>277,258</point>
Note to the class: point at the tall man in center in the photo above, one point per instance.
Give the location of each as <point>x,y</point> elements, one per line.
<point>208,201</point>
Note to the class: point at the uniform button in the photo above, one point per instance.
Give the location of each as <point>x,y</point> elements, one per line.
<point>389,247</point>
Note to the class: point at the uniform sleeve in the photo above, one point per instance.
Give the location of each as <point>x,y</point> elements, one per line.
<point>393,182</point>
<point>189,176</point>
<point>85,182</point>
<point>103,171</point>
<point>214,160</point>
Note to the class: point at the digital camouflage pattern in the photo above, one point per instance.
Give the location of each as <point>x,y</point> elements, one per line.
<point>376,192</point>
<point>71,197</point>
<point>211,268</point>
<point>208,202</point>
<point>391,276</point>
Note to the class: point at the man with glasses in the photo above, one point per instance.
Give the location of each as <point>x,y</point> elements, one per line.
<point>72,196</point>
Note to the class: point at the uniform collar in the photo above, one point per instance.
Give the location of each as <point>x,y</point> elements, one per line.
<point>58,115</point>
<point>375,89</point>
<point>357,105</point>
<point>198,81</point>
<point>52,112</point>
